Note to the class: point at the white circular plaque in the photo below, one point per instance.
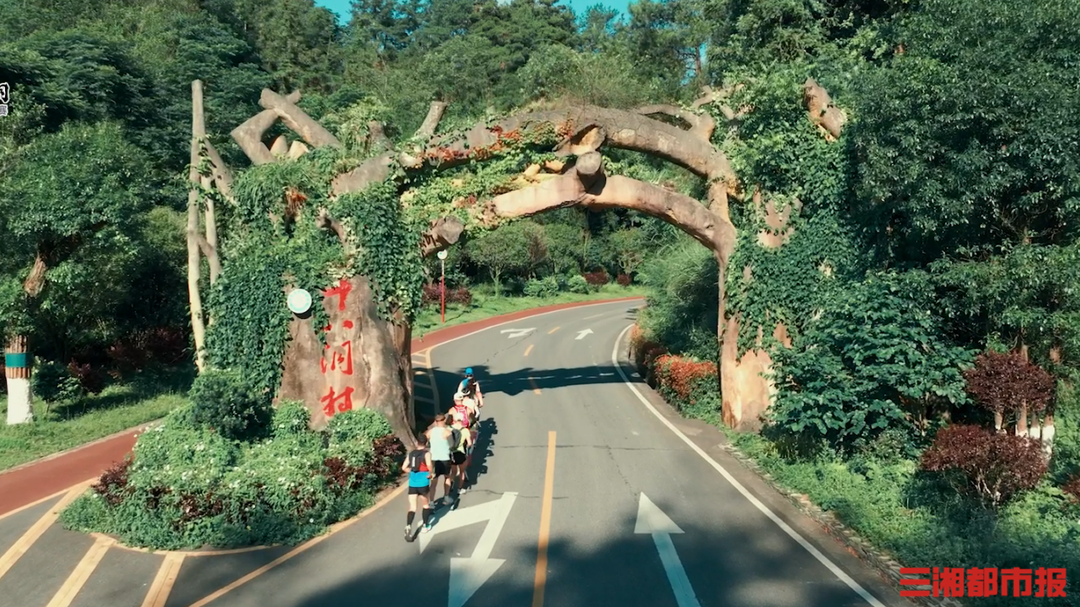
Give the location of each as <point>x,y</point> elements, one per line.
<point>442,254</point>
<point>299,301</point>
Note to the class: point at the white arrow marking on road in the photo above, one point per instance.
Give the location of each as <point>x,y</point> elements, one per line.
<point>517,332</point>
<point>652,521</point>
<point>467,575</point>
<point>582,334</point>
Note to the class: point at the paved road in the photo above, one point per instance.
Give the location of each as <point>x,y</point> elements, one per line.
<point>567,452</point>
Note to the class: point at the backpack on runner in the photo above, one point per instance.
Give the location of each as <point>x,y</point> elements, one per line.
<point>455,439</point>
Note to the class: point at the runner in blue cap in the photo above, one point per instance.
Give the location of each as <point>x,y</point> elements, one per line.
<point>470,387</point>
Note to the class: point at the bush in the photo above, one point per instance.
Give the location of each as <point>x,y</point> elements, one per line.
<point>226,403</point>
<point>623,280</point>
<point>577,284</point>
<point>353,434</point>
<point>992,468</point>
<point>547,287</point>
<point>640,347</point>
<point>163,345</point>
<point>876,359</point>
<point>291,418</point>
<point>597,279</point>
<point>460,295</point>
<point>689,385</point>
<point>681,310</point>
<point>1072,488</point>
<point>54,383</point>
<point>91,379</point>
<point>358,425</point>
<point>189,487</point>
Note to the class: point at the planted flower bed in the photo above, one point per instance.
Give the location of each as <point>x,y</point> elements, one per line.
<point>189,486</point>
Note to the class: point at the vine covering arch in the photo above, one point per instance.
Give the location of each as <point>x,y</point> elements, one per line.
<point>351,222</point>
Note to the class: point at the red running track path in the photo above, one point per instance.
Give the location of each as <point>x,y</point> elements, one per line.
<point>38,480</point>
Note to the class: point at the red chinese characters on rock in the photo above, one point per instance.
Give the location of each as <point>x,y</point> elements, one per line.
<point>984,582</point>
<point>334,403</point>
<point>340,357</point>
<point>341,291</point>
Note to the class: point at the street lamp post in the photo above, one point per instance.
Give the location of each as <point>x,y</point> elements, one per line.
<point>442,285</point>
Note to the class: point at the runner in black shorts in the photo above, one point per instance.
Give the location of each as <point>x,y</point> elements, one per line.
<point>418,465</point>
<point>439,436</point>
<point>459,454</point>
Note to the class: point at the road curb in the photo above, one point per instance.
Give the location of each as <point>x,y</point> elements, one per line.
<point>33,481</point>
<point>882,563</point>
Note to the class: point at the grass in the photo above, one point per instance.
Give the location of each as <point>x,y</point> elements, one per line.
<point>152,396</point>
<point>117,408</point>
<point>923,524</point>
<point>486,304</point>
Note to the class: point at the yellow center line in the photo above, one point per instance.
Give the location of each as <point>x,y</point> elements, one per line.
<point>553,330</point>
<point>162,587</point>
<point>540,581</point>
<point>82,572</point>
<point>39,528</point>
<point>536,388</point>
<point>529,349</point>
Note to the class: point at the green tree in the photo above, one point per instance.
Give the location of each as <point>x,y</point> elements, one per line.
<point>629,249</point>
<point>64,193</point>
<point>873,360</point>
<point>965,139</point>
<point>508,249</point>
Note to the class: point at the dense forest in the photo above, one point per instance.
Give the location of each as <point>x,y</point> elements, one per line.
<point>907,263</point>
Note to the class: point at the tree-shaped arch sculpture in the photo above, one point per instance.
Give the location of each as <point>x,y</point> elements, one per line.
<point>382,205</point>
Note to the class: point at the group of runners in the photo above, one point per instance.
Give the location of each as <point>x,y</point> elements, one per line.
<point>444,451</point>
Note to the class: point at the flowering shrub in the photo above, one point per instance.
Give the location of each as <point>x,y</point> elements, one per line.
<point>990,467</point>
<point>459,295</point>
<point>188,486</point>
<point>623,280</point>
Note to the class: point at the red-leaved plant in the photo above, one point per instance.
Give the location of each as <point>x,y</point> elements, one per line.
<point>459,295</point>
<point>598,278</point>
<point>112,486</point>
<point>990,467</point>
<point>1072,488</point>
<point>1007,384</point>
<point>681,375</point>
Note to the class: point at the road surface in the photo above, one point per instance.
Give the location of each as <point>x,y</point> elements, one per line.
<point>589,492</point>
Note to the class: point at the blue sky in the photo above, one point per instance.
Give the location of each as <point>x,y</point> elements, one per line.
<point>341,7</point>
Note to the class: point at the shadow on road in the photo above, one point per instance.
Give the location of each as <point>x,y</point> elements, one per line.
<point>727,565</point>
<point>524,379</point>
